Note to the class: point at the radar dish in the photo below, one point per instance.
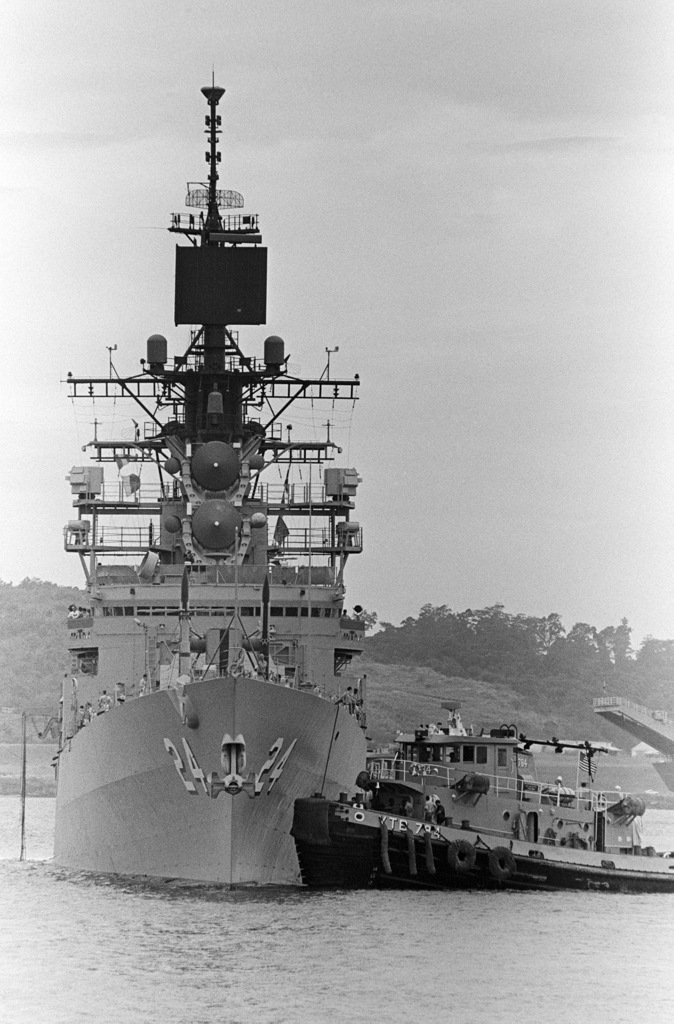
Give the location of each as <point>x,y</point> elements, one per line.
<point>225,198</point>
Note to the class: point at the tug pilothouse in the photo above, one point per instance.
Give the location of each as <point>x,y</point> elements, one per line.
<point>210,478</point>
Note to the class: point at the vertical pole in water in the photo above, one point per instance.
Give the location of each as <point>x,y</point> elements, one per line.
<point>307,662</point>
<point>22,855</point>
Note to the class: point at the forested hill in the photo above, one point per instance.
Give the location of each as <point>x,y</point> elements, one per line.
<point>548,672</point>
<point>33,635</point>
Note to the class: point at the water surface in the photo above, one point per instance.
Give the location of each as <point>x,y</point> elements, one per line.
<point>77,948</point>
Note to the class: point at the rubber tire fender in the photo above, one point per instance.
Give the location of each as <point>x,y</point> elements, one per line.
<point>502,864</point>
<point>461,856</point>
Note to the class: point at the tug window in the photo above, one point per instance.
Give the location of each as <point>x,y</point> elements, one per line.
<point>451,754</point>
<point>502,757</point>
<point>469,753</point>
<point>481,755</point>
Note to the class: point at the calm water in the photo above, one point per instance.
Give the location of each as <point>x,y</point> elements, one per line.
<point>78,949</point>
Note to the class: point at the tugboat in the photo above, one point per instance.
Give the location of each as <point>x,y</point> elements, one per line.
<point>451,810</point>
<point>209,684</point>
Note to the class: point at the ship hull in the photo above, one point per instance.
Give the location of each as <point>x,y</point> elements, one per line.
<point>141,793</point>
<point>341,846</point>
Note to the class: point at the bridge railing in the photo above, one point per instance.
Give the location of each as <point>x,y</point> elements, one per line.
<point>621,703</point>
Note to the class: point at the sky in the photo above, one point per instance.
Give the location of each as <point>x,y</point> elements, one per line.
<point>472,199</point>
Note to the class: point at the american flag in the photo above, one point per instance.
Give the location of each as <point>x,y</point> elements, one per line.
<point>586,764</point>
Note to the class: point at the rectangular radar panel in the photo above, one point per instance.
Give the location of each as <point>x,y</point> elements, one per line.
<point>221,285</point>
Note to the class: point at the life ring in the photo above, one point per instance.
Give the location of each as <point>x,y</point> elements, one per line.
<point>461,856</point>
<point>502,864</point>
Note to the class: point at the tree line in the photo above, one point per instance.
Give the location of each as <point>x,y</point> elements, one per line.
<point>526,651</point>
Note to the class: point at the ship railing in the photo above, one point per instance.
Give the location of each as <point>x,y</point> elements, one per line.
<point>244,223</point>
<point>151,429</point>
<point>295,494</point>
<point>279,575</point>
<point>630,705</point>
<point>393,769</point>
<point>125,538</point>
<point>116,493</point>
<point>317,539</point>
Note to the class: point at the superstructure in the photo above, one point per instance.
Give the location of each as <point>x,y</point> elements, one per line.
<point>212,658</point>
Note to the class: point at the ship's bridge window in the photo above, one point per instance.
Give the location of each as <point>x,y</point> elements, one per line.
<point>275,611</point>
<point>250,610</point>
<point>84,661</point>
<point>316,613</point>
<point>292,610</point>
<point>468,753</point>
<point>502,757</point>
<point>481,755</point>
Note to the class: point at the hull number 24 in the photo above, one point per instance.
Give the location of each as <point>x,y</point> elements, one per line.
<point>212,785</point>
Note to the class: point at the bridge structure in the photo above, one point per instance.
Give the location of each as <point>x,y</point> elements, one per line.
<point>653,727</point>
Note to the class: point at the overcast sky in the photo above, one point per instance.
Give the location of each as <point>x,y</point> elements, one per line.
<point>472,198</point>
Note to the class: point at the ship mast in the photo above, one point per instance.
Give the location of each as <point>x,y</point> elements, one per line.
<point>213,121</point>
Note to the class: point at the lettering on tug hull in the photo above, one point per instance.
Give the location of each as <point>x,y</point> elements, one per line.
<point>233,761</point>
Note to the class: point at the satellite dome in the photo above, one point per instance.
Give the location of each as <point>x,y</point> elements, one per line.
<point>256,462</point>
<point>215,466</point>
<point>258,520</point>
<point>274,351</point>
<point>172,466</point>
<point>172,524</point>
<point>214,524</point>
